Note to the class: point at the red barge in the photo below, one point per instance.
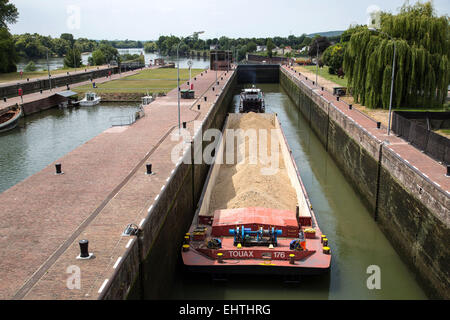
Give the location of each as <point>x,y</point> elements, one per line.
<point>256,240</point>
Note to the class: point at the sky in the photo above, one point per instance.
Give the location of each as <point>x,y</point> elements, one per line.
<point>147,20</point>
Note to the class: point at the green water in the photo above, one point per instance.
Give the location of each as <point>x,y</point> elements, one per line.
<point>355,239</point>
<point>44,137</point>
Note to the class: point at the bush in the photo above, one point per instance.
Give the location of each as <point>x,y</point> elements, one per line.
<point>30,67</point>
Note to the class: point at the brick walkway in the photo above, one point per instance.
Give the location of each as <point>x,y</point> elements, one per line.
<point>103,189</point>
<point>426,166</point>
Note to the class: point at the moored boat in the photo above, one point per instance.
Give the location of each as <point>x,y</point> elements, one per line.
<point>90,99</point>
<point>265,228</point>
<point>10,118</point>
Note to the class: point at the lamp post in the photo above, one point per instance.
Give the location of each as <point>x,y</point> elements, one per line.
<point>49,76</point>
<point>317,62</point>
<point>393,75</point>
<point>178,76</point>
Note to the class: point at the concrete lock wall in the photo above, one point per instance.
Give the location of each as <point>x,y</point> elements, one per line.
<point>148,267</point>
<point>409,209</point>
<point>34,85</point>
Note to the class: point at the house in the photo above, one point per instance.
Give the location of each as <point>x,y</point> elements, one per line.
<point>261,48</point>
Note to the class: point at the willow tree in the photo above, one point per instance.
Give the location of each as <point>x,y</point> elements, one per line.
<point>422,67</point>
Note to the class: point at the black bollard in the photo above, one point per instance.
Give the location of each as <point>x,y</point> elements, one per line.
<point>213,89</point>
<point>188,83</point>
<point>184,125</point>
<point>323,89</point>
<point>350,106</point>
<point>84,250</point>
<point>448,171</point>
<point>306,78</point>
<point>40,91</point>
<point>67,85</point>
<point>378,125</point>
<point>28,79</point>
<point>337,98</point>
<point>206,98</point>
<point>4,99</point>
<point>314,83</point>
<point>198,107</point>
<point>58,168</point>
<point>149,168</point>
<point>217,82</point>
<point>195,79</point>
<point>67,72</point>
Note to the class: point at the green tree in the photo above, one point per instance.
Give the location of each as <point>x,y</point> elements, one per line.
<point>73,58</point>
<point>333,57</point>
<point>8,13</point>
<point>68,37</point>
<point>8,55</point>
<point>251,46</point>
<point>422,68</point>
<point>98,58</point>
<point>30,67</point>
<point>323,43</point>
<point>270,47</point>
<point>150,47</point>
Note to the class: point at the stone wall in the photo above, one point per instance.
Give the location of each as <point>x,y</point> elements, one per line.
<point>148,267</point>
<point>411,210</point>
<point>34,85</point>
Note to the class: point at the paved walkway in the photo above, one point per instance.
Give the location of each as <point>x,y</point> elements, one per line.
<point>425,165</point>
<point>103,189</point>
<point>54,76</point>
<point>31,97</point>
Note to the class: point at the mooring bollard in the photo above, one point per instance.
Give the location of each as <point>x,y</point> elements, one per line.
<point>67,85</point>
<point>323,89</point>
<point>149,168</point>
<point>292,258</point>
<point>4,99</point>
<point>40,91</point>
<point>188,83</point>
<point>314,83</point>
<point>198,107</point>
<point>184,125</point>
<point>84,248</point>
<point>28,79</point>
<point>448,171</point>
<point>350,106</point>
<point>378,125</point>
<point>213,89</point>
<point>206,98</point>
<point>217,82</point>
<point>58,168</point>
<point>337,98</point>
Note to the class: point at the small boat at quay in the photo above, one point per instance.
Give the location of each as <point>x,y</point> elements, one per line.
<point>90,99</point>
<point>10,118</point>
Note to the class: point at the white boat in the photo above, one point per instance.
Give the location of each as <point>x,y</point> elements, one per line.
<point>90,99</point>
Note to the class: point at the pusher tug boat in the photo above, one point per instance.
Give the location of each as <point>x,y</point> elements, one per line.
<point>252,100</point>
<point>255,239</point>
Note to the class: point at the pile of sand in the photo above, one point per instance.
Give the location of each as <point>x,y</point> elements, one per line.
<point>243,185</point>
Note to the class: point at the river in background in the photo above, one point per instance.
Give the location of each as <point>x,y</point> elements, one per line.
<point>355,239</point>
<point>57,63</point>
<point>44,137</point>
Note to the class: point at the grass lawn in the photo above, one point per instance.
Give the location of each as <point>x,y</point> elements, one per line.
<point>13,76</point>
<point>152,81</point>
<point>323,72</point>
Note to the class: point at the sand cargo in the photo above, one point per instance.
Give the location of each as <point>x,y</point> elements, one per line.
<point>254,215</point>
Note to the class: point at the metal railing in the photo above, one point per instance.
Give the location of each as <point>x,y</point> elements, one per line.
<point>119,121</point>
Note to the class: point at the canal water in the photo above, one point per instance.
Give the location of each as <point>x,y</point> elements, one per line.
<point>355,239</point>
<point>44,137</point>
